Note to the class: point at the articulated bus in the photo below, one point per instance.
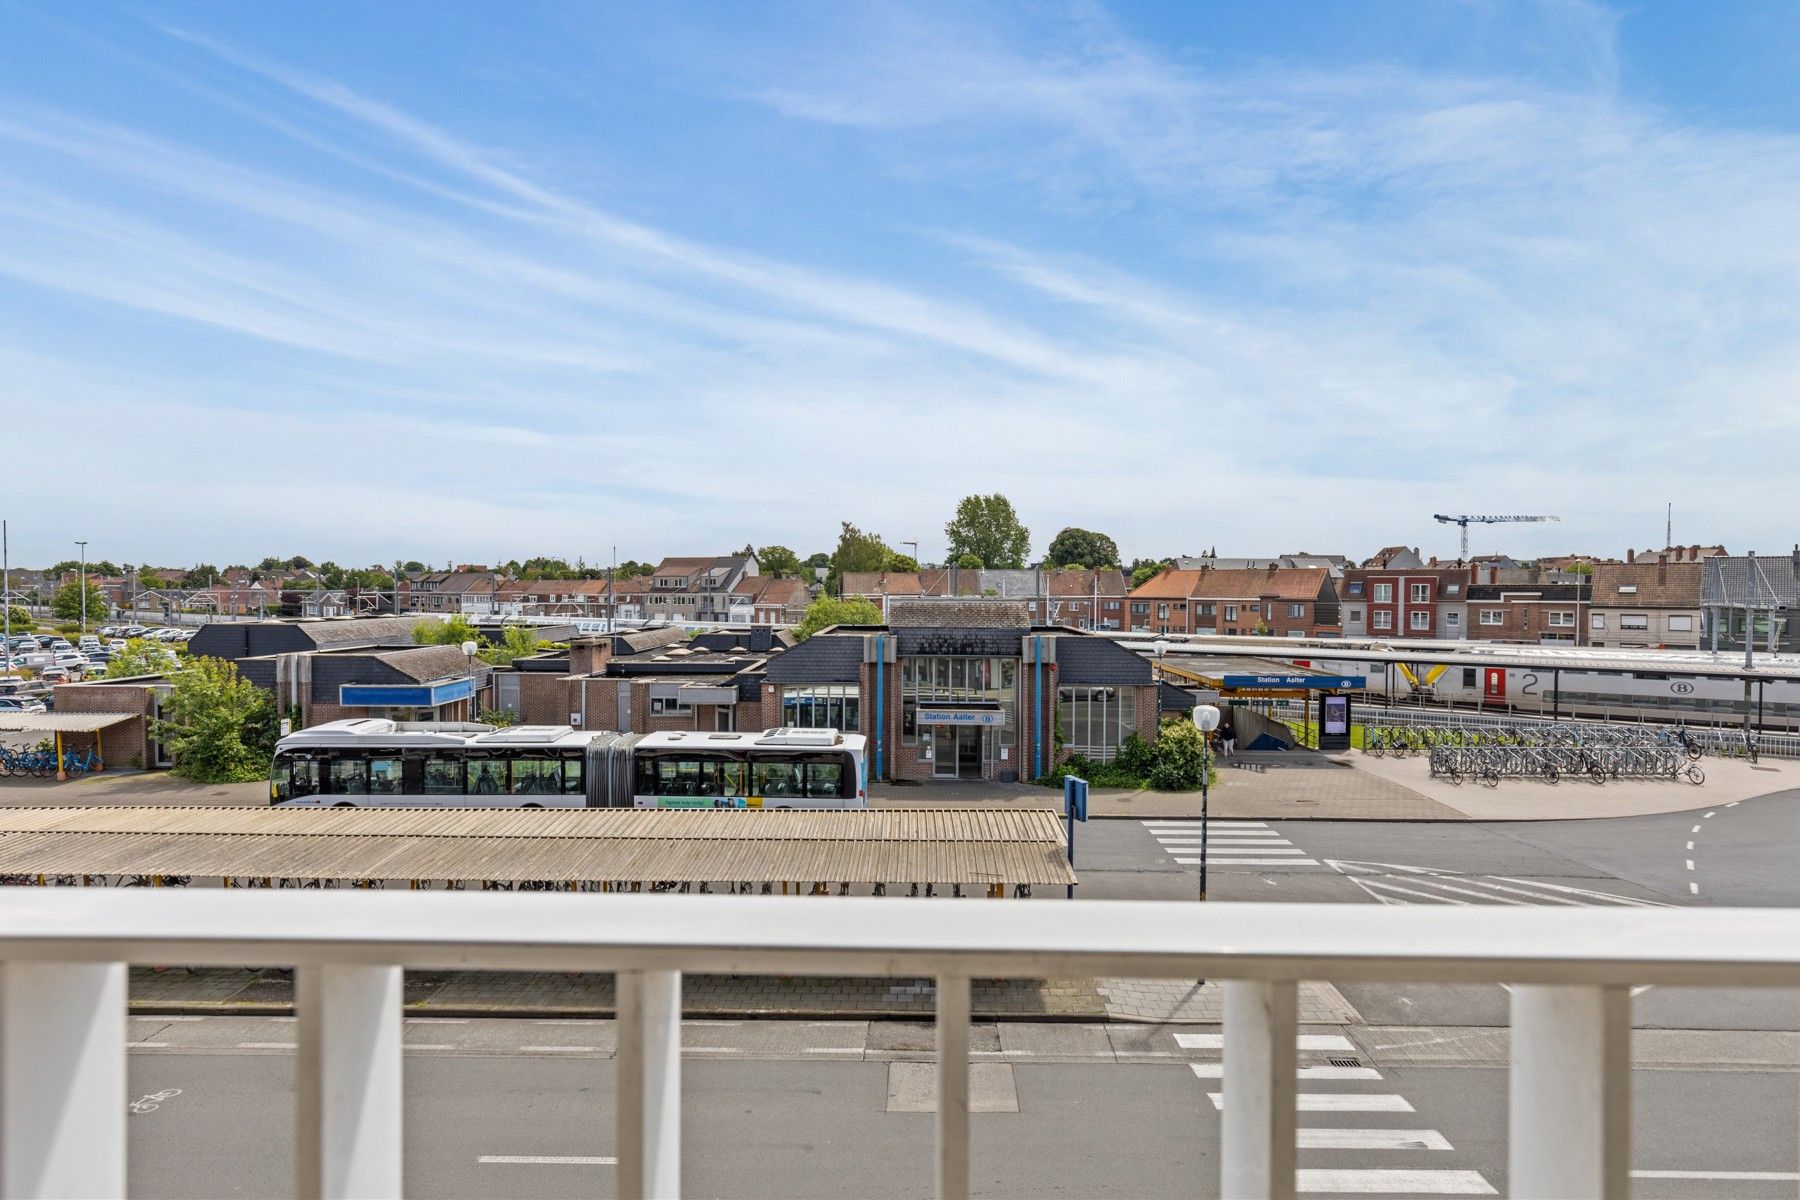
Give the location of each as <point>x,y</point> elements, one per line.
<point>380,763</point>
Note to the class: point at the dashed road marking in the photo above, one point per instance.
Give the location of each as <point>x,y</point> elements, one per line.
<point>1217,1071</point>
<point>1338,1102</point>
<point>566,1160</point>
<point>268,1045</point>
<point>560,1049</point>
<point>1395,1183</point>
<point>1372,1139</point>
<point>1303,1041</point>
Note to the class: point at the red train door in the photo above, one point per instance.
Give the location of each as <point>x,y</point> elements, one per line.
<point>1493,684</point>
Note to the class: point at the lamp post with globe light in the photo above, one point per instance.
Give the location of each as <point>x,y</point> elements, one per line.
<point>1206,719</point>
<point>469,649</point>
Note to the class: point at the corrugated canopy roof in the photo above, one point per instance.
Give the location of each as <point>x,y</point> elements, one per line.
<point>513,845</point>
<point>63,722</point>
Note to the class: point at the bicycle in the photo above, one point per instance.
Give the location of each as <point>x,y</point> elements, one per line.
<point>80,764</point>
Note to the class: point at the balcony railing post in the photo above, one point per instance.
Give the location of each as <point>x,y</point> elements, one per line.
<point>952,1087</point>
<point>649,1085</point>
<point>62,1079</point>
<point>1256,1139</point>
<point>347,1135</point>
<point>1570,1107</point>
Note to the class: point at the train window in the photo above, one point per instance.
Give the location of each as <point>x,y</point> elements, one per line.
<point>443,777</point>
<point>1468,677</point>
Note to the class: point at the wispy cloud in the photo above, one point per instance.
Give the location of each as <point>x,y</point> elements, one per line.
<point>1267,301</point>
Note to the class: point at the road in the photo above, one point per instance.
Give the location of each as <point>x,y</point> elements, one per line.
<point>1410,1098</point>
<point>843,1108</point>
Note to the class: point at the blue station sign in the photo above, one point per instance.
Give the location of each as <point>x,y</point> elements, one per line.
<point>1312,682</point>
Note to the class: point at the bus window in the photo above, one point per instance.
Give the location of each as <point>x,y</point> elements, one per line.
<point>572,779</point>
<point>486,777</point>
<point>777,778</point>
<point>443,777</point>
<point>384,777</point>
<point>824,777</point>
<point>299,776</point>
<point>733,778</point>
<point>348,777</point>
<point>536,776</point>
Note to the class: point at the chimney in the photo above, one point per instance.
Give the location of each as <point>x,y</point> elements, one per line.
<point>1662,569</point>
<point>1631,556</point>
<point>589,655</point>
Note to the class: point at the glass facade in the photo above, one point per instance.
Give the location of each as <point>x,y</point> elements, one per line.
<point>952,678</point>
<point>1096,719</point>
<point>822,706</point>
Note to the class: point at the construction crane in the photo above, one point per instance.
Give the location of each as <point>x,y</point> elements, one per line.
<point>1466,521</point>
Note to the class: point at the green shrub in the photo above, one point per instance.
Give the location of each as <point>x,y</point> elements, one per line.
<point>68,627</point>
<point>1135,756</point>
<point>1179,757</point>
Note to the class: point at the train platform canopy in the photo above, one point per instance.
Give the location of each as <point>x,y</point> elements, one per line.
<point>511,846</point>
<point>1238,675</point>
<point>83,722</point>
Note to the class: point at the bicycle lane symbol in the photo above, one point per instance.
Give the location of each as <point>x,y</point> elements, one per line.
<point>154,1100</point>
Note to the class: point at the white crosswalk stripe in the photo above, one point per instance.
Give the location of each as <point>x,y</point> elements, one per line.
<point>1399,883</point>
<point>1228,844</point>
<point>1408,1155</point>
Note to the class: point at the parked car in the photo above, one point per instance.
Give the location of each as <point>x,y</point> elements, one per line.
<point>89,641</point>
<point>21,704</point>
<point>61,644</point>
<point>55,675</point>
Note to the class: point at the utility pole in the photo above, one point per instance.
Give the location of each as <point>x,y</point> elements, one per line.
<point>83,546</point>
<point>6,594</point>
<point>1669,527</point>
<point>1749,634</point>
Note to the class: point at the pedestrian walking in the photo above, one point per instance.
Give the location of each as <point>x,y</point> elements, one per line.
<point>1227,737</point>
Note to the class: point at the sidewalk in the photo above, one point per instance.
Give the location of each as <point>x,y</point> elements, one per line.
<point>550,994</point>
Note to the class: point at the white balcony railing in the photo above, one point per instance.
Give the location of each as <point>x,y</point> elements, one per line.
<point>63,1004</point>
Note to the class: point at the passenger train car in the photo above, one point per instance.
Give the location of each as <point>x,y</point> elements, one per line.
<point>374,762</point>
<point>1666,685</point>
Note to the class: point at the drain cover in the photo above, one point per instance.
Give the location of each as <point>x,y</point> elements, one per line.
<point>1345,1062</point>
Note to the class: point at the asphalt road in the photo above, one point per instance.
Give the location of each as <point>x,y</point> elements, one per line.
<point>1739,854</point>
<point>505,1108</point>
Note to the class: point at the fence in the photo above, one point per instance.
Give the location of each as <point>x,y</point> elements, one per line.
<point>1571,972</point>
<point>1712,739</point>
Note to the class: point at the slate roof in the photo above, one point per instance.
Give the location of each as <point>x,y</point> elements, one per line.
<point>425,663</point>
<point>1280,583</point>
<point>824,658</point>
<point>956,641</point>
<point>973,613</point>
<point>1569,592</point>
<point>647,639</point>
<point>1087,660</point>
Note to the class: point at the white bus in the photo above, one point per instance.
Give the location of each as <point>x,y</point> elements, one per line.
<point>374,762</point>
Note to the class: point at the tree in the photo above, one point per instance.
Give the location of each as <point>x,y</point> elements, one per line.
<point>66,604</point>
<point>827,611</point>
<point>819,561</point>
<point>139,657</point>
<point>98,566</point>
<point>778,562</point>
<point>21,621</point>
<point>987,526</point>
<point>1143,570</point>
<point>412,564</point>
<point>905,563</point>
<point>632,569</point>
<point>968,562</point>
<point>1082,548</point>
<point>856,551</point>
<point>219,726</point>
<point>516,641</point>
<point>453,631</point>
<point>1178,759</point>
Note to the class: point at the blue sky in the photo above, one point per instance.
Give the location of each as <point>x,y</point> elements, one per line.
<point>474,281</point>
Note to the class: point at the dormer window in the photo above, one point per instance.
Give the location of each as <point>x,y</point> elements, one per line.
<point>1628,589</point>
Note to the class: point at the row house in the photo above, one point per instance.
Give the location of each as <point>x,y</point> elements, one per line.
<point>1648,601</point>
<point>764,600</point>
<point>1406,601</point>
<point>1544,614</point>
<point>1272,602</point>
<point>1078,597</point>
<point>1337,564</point>
<point>697,589</point>
<point>466,592</point>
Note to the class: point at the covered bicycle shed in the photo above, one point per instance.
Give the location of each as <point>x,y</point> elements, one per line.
<point>60,724</point>
<point>566,850</point>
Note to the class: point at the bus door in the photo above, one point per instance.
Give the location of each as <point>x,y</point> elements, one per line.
<point>1493,685</point>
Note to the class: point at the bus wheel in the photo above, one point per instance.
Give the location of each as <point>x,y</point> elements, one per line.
<point>343,804</point>
<point>531,806</point>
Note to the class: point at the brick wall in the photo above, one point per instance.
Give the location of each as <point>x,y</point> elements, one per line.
<point>123,745</point>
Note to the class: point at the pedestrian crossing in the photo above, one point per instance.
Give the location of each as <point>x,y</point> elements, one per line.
<point>1228,844</point>
<point>1398,883</point>
<point>1379,1148</point>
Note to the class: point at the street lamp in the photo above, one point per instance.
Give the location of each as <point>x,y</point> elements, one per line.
<point>1206,719</point>
<point>469,649</point>
<point>83,546</point>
